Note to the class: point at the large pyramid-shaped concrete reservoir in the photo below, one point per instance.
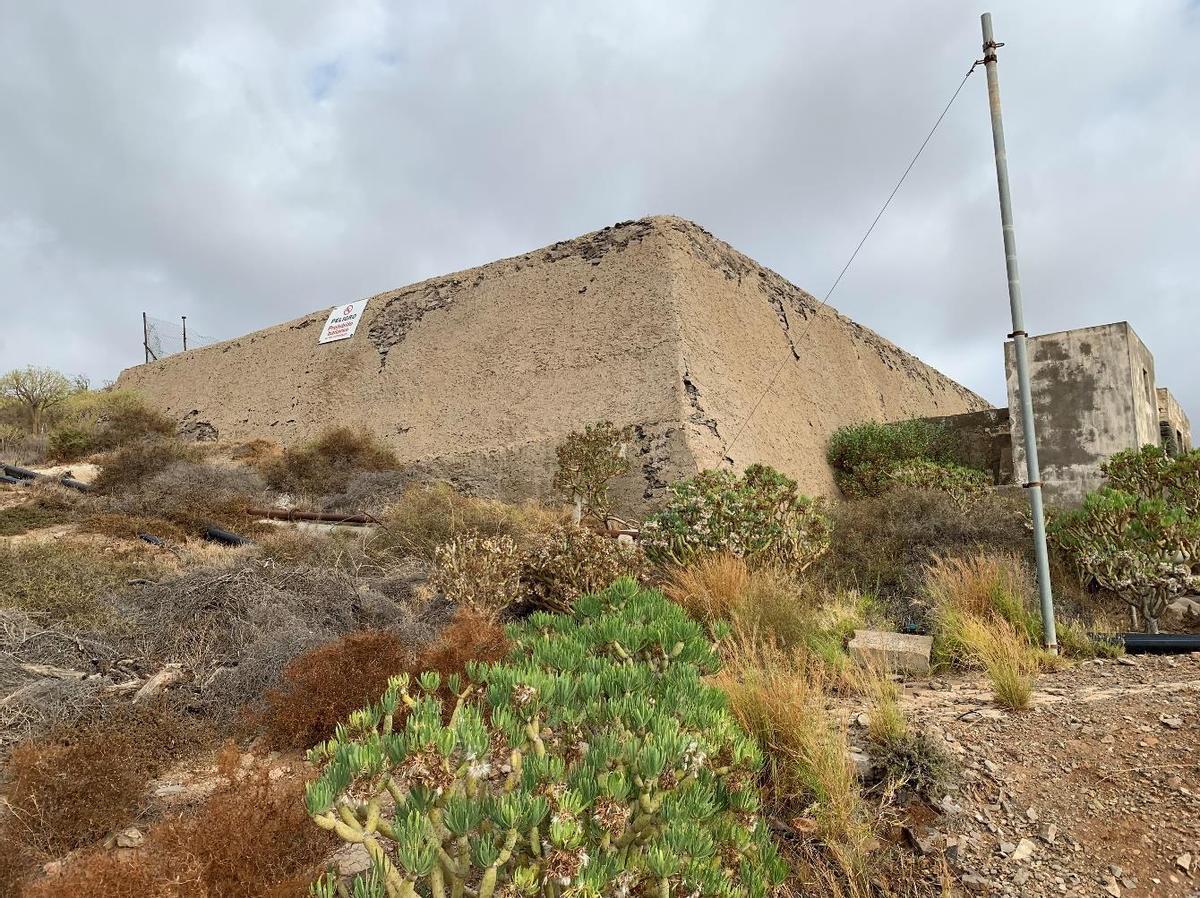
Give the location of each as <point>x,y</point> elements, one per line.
<point>477,376</point>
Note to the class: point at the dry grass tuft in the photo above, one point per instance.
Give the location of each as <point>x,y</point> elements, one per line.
<point>765,600</point>
<point>981,607</point>
<point>888,725</point>
<point>1005,655</point>
<point>781,698</point>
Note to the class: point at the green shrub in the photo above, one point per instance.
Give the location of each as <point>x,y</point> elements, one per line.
<point>327,464</point>
<point>863,455</point>
<point>430,516</point>
<point>964,485</point>
<point>70,442</point>
<point>760,516</point>
<point>587,461</point>
<point>1150,473</point>
<point>595,757</point>
<point>103,420</point>
<point>566,562</point>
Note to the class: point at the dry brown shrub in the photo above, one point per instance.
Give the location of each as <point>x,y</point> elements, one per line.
<point>566,561</point>
<point>326,464</point>
<point>480,572</point>
<point>77,784</point>
<point>321,687</point>
<point>251,839</point>
<point>255,452</point>
<point>101,874</point>
<point>130,465</point>
<point>193,494</point>
<point>470,636</point>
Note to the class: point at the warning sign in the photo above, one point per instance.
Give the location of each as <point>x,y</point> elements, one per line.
<point>343,321</point>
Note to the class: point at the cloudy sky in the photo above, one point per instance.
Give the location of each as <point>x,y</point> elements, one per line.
<point>244,163</point>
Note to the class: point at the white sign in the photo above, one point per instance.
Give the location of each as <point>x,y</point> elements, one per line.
<point>343,321</point>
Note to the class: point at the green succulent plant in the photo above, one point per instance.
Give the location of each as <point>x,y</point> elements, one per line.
<point>592,761</point>
<point>1144,550</point>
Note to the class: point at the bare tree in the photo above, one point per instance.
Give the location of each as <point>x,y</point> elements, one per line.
<point>36,391</point>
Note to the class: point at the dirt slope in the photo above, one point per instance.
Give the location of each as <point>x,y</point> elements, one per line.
<point>1101,777</point>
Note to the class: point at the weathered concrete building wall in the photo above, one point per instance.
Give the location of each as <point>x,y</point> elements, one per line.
<point>983,441</point>
<point>1174,426</point>
<point>1093,395</point>
<point>478,376</point>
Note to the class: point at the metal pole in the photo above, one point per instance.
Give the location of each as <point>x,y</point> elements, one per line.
<point>1034,484</point>
<point>184,317</point>
<point>146,337</point>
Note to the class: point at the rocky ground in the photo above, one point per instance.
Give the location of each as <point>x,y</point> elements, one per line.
<point>1095,791</point>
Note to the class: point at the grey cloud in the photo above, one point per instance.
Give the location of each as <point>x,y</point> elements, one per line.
<point>246,164</point>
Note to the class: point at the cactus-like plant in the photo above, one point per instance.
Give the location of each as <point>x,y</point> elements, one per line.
<point>593,761</point>
<point>1144,550</point>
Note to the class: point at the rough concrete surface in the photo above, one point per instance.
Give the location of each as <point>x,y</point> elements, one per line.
<point>892,652</point>
<point>477,376</point>
<point>1093,396</point>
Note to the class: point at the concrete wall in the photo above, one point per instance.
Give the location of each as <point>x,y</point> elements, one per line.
<point>984,441</point>
<point>1093,395</point>
<point>1173,421</point>
<point>477,376</point>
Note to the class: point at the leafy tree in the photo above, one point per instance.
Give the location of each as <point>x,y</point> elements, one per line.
<point>37,392</point>
<point>587,461</point>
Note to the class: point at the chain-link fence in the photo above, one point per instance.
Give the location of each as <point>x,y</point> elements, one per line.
<point>163,338</point>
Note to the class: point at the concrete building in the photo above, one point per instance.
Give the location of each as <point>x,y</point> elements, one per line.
<point>476,377</point>
<point>1173,423</point>
<point>1094,395</point>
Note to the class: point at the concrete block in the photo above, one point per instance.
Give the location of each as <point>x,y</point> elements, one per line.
<point>896,652</point>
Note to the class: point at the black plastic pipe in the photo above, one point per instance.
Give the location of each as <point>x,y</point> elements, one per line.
<point>1155,643</point>
<point>74,484</point>
<point>4,478</point>
<point>20,473</point>
<point>225,537</point>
